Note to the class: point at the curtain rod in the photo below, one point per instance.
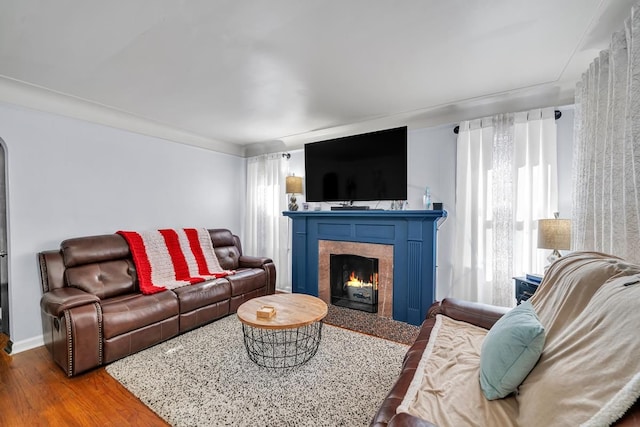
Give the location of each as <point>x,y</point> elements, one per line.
<point>557,114</point>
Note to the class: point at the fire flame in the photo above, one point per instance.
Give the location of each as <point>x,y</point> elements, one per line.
<point>356,282</point>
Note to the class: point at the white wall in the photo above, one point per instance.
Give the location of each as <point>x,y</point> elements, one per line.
<point>432,162</point>
<point>69,178</point>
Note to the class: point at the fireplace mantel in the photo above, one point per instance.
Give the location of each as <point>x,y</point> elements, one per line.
<point>413,235</point>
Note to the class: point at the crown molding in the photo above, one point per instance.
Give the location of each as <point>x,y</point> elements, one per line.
<point>38,98</point>
<point>550,94</point>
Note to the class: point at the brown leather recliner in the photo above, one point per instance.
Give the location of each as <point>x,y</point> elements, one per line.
<point>93,312</point>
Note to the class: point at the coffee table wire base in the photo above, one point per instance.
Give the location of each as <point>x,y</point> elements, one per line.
<point>282,348</point>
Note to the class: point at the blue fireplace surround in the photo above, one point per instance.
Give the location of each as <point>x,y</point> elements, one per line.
<point>413,235</point>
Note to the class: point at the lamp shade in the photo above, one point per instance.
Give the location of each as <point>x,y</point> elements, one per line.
<point>294,184</point>
<point>554,234</point>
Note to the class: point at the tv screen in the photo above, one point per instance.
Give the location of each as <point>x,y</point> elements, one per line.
<point>366,167</point>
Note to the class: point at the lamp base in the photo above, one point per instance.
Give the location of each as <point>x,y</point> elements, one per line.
<point>293,206</point>
<point>553,256</point>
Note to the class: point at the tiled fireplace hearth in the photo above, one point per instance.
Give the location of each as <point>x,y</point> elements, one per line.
<point>403,242</point>
<point>384,255</point>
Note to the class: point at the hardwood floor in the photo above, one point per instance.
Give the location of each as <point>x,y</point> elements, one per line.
<point>35,392</point>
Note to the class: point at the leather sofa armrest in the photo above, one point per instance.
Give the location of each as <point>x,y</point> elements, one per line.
<point>436,308</point>
<point>55,302</point>
<point>266,264</point>
<point>253,261</point>
<point>631,418</point>
<point>479,314</point>
<point>387,410</point>
<point>407,420</point>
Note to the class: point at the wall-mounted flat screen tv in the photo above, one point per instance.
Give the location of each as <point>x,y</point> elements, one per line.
<point>366,167</point>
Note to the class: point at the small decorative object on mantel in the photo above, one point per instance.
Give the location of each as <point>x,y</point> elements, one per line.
<point>293,185</point>
<point>266,312</point>
<point>426,199</point>
<point>399,205</point>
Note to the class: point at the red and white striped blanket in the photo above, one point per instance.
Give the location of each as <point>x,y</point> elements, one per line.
<point>171,258</point>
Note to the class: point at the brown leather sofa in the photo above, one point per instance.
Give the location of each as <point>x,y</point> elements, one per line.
<point>475,313</point>
<point>93,312</point>
<point>478,314</point>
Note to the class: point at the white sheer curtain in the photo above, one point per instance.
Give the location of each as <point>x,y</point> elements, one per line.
<point>506,179</point>
<point>267,232</point>
<point>606,199</point>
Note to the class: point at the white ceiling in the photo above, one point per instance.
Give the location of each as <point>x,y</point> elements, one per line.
<point>248,76</point>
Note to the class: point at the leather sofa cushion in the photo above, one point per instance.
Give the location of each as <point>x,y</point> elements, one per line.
<point>85,250</point>
<point>226,247</point>
<point>246,280</point>
<point>133,311</point>
<point>202,294</point>
<point>228,257</point>
<point>103,279</point>
<point>222,237</point>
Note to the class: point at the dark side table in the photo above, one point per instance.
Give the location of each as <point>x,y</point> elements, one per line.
<point>524,288</point>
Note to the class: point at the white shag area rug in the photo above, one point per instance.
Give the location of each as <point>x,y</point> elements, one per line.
<point>205,378</point>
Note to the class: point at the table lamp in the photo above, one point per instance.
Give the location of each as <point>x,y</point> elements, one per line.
<point>554,234</point>
<point>293,185</point>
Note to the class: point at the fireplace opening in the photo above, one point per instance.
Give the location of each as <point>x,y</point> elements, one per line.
<point>354,282</point>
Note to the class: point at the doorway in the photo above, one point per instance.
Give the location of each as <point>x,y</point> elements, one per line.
<point>4,264</point>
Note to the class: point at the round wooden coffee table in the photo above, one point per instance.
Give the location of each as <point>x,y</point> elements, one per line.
<point>288,339</point>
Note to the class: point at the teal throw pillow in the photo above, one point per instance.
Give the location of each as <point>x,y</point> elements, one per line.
<point>510,351</point>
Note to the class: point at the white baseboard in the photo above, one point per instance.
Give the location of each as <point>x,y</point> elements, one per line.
<point>28,344</point>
